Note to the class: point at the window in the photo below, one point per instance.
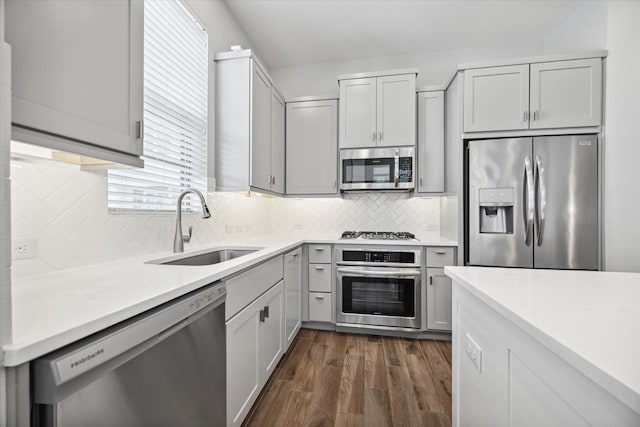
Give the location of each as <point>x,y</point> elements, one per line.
<point>175,114</point>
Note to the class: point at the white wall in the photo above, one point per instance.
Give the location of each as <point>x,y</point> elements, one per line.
<point>622,138</point>
<point>435,68</point>
<point>585,29</point>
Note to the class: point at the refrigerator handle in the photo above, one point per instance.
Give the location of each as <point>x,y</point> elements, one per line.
<point>540,198</point>
<point>528,194</point>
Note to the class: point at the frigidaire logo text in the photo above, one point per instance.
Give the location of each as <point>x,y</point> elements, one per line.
<point>87,358</point>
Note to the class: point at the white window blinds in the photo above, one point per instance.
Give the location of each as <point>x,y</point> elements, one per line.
<point>175,114</point>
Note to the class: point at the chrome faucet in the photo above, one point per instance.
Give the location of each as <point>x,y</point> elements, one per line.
<point>178,238</point>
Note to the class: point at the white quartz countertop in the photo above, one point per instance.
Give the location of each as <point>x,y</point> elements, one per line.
<point>590,319</point>
<point>52,310</point>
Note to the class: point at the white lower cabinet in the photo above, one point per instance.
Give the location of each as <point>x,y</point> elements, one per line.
<point>438,300</point>
<point>292,295</point>
<point>255,344</point>
<point>319,307</point>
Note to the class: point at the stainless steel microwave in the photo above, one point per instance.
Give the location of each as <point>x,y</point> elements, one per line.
<point>391,168</point>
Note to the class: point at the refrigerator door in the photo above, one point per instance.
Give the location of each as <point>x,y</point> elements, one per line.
<point>566,220</point>
<point>501,202</point>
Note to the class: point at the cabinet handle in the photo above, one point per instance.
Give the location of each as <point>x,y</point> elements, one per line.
<point>273,180</point>
<point>441,252</point>
<point>262,316</point>
<point>380,136</point>
<point>431,280</point>
<point>535,115</point>
<point>296,254</point>
<point>266,312</point>
<point>525,116</point>
<point>319,296</point>
<point>139,129</point>
<point>420,182</point>
<point>319,249</point>
<point>373,137</point>
<point>335,184</point>
<point>319,268</point>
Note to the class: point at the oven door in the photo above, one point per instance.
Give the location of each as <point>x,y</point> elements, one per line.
<point>379,296</point>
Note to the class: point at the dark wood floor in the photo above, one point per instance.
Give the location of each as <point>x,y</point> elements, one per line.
<point>335,379</point>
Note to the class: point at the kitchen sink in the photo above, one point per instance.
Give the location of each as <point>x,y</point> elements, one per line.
<point>206,258</point>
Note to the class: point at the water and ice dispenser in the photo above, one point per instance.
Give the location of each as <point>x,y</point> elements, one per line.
<point>496,210</point>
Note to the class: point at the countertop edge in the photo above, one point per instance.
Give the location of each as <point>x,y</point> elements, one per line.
<point>612,385</point>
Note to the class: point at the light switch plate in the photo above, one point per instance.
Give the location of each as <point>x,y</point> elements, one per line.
<point>474,352</point>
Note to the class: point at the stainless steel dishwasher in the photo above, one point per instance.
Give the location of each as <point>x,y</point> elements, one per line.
<point>165,367</point>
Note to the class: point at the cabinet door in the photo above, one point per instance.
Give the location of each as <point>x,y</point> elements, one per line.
<point>260,129</point>
<point>312,147</point>
<point>277,142</point>
<point>396,110</point>
<point>358,113</point>
<point>271,331</point>
<point>496,98</point>
<point>438,300</point>
<point>566,94</point>
<point>243,374</point>
<point>77,70</point>
<point>292,295</point>
<point>431,142</point>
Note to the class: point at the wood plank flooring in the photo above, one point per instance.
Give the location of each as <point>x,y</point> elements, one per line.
<point>335,379</point>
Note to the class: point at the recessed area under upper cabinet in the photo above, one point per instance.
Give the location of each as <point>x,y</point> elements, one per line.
<point>431,145</point>
<point>544,95</point>
<point>249,126</point>
<point>378,109</point>
<point>312,147</point>
<point>77,76</point>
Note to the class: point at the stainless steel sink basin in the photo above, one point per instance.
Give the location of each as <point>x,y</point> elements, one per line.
<point>206,258</point>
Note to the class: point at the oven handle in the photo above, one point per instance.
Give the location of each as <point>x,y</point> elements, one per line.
<point>407,272</point>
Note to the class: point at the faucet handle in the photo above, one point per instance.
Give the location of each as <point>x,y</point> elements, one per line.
<point>187,238</point>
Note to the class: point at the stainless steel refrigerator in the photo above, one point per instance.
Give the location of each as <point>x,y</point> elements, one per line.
<point>533,202</point>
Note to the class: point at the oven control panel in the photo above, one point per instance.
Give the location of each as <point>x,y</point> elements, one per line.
<point>362,256</point>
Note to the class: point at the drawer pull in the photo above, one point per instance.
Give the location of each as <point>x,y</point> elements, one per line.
<point>319,249</point>
<point>441,252</point>
<point>319,296</point>
<point>319,268</point>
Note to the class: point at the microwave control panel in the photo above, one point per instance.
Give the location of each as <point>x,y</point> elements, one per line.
<point>405,172</point>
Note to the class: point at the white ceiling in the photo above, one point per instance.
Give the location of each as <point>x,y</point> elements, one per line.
<point>295,32</point>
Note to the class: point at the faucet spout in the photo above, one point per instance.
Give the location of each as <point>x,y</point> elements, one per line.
<point>178,238</point>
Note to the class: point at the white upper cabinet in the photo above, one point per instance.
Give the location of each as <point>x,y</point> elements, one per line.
<point>312,147</point>
<point>277,142</point>
<point>249,126</point>
<point>260,130</point>
<point>358,113</point>
<point>77,76</point>
<point>566,94</point>
<point>396,112</point>
<point>496,98</point>
<point>378,111</point>
<point>431,163</point>
<point>540,95</point>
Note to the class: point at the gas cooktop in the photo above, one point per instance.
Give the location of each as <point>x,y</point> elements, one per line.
<point>378,235</point>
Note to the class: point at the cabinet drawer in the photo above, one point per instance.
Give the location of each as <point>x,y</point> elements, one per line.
<point>320,253</point>
<point>246,287</point>
<point>319,307</point>
<point>320,277</point>
<point>439,257</point>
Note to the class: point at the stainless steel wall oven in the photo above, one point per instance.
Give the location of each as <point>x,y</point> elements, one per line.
<point>378,286</point>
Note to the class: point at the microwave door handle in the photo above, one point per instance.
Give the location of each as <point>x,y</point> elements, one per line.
<point>396,177</point>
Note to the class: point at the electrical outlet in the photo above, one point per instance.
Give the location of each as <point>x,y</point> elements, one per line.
<point>247,227</point>
<point>228,228</point>
<point>239,228</point>
<point>474,352</point>
<point>24,249</point>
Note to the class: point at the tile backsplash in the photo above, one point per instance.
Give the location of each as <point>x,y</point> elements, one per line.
<point>65,209</point>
